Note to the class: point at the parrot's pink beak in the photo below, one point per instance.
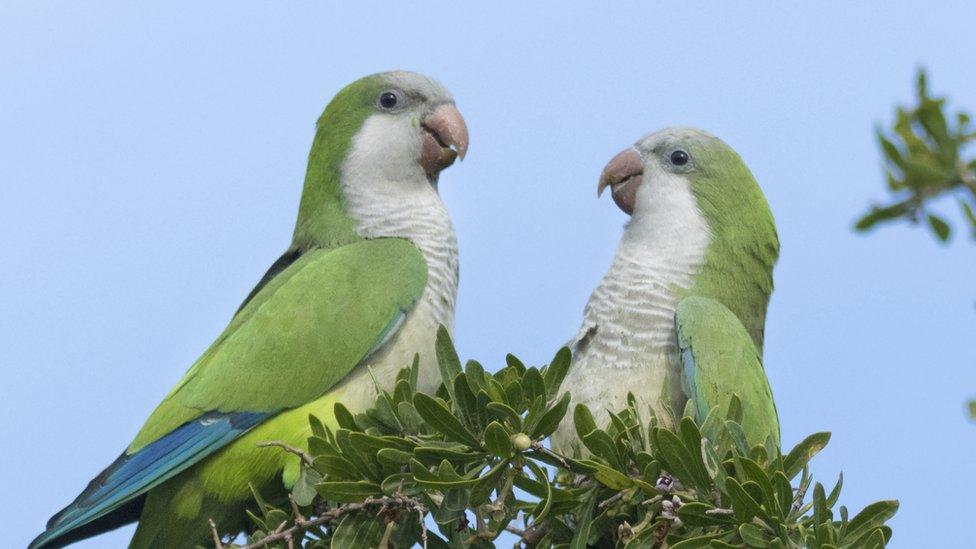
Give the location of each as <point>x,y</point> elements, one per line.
<point>624,175</point>
<point>445,137</point>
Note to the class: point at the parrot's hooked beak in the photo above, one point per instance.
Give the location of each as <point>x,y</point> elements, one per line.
<point>445,137</point>
<point>624,174</point>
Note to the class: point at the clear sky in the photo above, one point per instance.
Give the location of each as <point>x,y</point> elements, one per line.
<point>151,160</point>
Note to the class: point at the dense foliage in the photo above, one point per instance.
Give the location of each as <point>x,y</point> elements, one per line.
<point>474,459</point>
<point>924,162</point>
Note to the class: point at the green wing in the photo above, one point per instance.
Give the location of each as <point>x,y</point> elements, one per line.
<point>299,335</point>
<point>719,359</point>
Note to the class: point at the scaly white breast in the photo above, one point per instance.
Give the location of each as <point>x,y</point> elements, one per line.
<point>626,343</point>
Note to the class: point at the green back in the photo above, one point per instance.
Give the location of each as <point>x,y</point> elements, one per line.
<point>739,260</point>
<point>322,220</point>
<point>302,333</point>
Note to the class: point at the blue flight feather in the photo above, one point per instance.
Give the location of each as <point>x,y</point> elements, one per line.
<point>130,476</point>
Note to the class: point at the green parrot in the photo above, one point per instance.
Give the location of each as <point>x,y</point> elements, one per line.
<point>679,317</point>
<point>371,273</point>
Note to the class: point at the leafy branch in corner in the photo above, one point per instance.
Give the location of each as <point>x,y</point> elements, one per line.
<point>925,162</point>
<point>474,460</point>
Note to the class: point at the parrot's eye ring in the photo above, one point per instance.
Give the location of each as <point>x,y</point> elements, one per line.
<point>679,157</point>
<point>389,99</point>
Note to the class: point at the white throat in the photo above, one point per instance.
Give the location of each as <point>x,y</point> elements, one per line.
<point>388,195</point>
<point>662,248</point>
<point>628,323</point>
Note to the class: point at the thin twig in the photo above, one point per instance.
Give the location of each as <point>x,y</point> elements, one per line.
<point>515,530</point>
<point>333,514</point>
<point>530,535</point>
<point>216,536</point>
<point>302,454</point>
<point>610,500</point>
<point>538,447</point>
<point>800,494</point>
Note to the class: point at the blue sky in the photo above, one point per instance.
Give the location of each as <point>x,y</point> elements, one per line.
<point>151,159</point>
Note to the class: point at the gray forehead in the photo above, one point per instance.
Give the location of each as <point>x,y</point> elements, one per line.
<point>673,136</point>
<point>418,84</point>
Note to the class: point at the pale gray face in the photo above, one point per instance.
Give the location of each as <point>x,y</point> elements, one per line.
<point>657,156</point>
<point>674,149</point>
<point>414,120</point>
<point>406,91</point>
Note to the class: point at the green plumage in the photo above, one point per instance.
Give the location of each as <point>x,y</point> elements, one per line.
<point>744,247</point>
<point>322,220</point>
<point>679,317</point>
<point>333,299</point>
<point>281,350</point>
<point>719,359</point>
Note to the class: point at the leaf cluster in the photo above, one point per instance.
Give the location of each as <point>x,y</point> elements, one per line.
<point>473,457</point>
<point>924,162</point>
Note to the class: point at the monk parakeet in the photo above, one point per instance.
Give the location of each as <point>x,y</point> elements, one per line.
<point>371,273</point>
<point>680,315</point>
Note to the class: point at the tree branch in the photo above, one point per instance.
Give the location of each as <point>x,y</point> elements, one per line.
<point>302,454</point>
<point>302,524</point>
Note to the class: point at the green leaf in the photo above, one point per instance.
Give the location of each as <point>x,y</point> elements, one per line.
<point>879,214</point>
<point>871,517</point>
<point>967,211</point>
<point>445,477</point>
<point>734,412</point>
<point>890,150</point>
<point>599,443</point>
<point>756,474</point>
<point>411,420</point>
<point>744,506</point>
<point>318,429</point>
<point>802,453</point>
<point>447,359</point>
<point>941,229</point>
<point>505,412</point>
<point>678,458</point>
<point>701,542</point>
<point>515,364</point>
<point>835,492</point>
<point>429,454</point>
<point>609,477</point>
<point>357,531</point>
<point>551,419</point>
<point>304,490</point>
<point>821,511</point>
<point>694,514</point>
<point>414,372</point>
<point>344,417</point>
<point>393,458</point>
<point>348,491</point>
<point>438,415</point>
<point>474,373</point>
<point>497,440</point>
<point>556,372</point>
<point>582,534</point>
<point>336,468</point>
<point>542,508</point>
<point>467,403</point>
<point>583,421</point>
<point>532,384</point>
<point>753,536</point>
<point>483,488</point>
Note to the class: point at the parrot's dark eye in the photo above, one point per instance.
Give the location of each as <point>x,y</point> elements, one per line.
<point>388,100</point>
<point>679,158</point>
